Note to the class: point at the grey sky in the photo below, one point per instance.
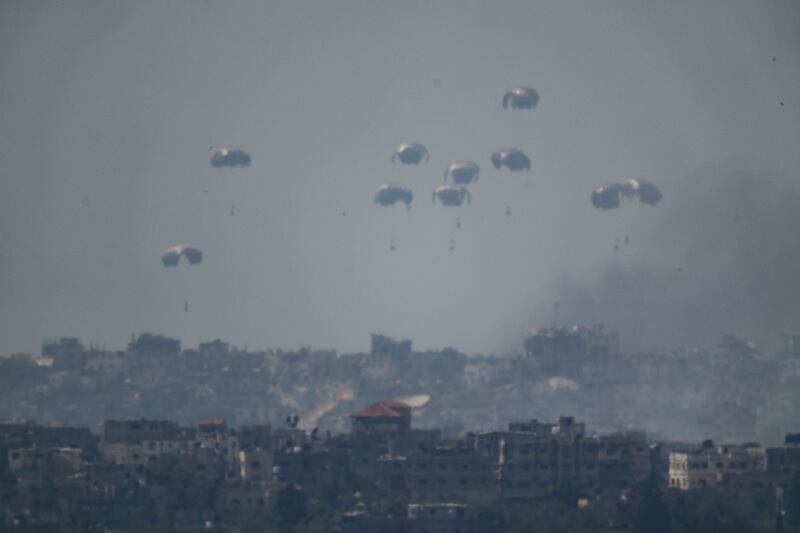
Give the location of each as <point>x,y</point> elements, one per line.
<point>108,109</point>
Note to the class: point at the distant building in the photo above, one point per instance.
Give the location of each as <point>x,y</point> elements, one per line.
<point>33,436</point>
<point>63,347</point>
<point>32,458</point>
<point>255,464</point>
<point>707,466</point>
<point>248,497</point>
<point>383,345</point>
<point>387,417</point>
<point>255,436</point>
<point>786,458</point>
<point>455,473</point>
<point>139,444</point>
<point>138,431</point>
<point>67,353</point>
<point>566,351</point>
<point>151,344</point>
<point>533,457</point>
<point>216,347</point>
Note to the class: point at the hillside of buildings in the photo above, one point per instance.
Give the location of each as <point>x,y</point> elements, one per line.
<point>728,392</point>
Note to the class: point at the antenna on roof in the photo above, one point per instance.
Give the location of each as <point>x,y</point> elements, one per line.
<point>555,315</point>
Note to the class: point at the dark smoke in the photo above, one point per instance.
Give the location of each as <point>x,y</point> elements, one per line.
<point>728,261</point>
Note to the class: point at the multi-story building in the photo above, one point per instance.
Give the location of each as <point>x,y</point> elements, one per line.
<point>138,443</point>
<point>307,463</point>
<point>451,473</point>
<point>31,435</point>
<point>709,465</point>
<point>382,418</point>
<point>785,458</point>
<point>211,449</point>
<point>533,457</point>
<point>255,464</point>
<point>566,351</point>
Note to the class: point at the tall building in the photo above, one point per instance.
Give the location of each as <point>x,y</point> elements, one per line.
<point>565,351</point>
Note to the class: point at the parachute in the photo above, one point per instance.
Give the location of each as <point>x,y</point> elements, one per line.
<point>171,257</point>
<point>646,192</point>
<point>227,157</point>
<point>410,154</point>
<point>389,195</point>
<point>608,196</point>
<point>521,98</point>
<point>462,172</point>
<point>511,158</point>
<point>451,196</point>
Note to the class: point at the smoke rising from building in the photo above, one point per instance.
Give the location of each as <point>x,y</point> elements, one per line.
<point>730,262</point>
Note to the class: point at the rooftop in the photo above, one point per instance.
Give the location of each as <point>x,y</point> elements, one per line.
<point>385,409</point>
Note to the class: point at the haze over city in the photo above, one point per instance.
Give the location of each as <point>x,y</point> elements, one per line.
<point>109,110</point>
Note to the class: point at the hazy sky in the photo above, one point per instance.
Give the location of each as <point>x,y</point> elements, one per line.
<point>108,110</point>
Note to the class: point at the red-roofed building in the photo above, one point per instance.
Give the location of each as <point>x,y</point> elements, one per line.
<point>382,418</point>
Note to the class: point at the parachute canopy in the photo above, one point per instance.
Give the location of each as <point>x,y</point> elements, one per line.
<point>462,172</point>
<point>521,98</point>
<point>410,154</point>
<point>230,157</point>
<point>608,196</point>
<point>172,255</point>
<point>646,192</point>
<point>513,159</point>
<point>391,194</point>
<point>451,196</point>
